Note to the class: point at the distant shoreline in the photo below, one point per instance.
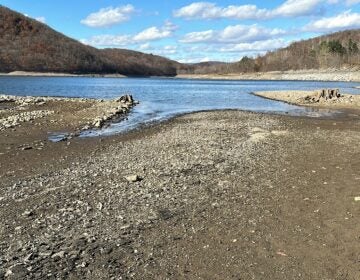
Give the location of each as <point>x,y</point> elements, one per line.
<point>329,75</point>
<point>50,74</point>
<point>300,75</point>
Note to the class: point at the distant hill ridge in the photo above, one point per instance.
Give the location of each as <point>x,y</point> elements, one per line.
<point>28,45</point>
<point>337,50</point>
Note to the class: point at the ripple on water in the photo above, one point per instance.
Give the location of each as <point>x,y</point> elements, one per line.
<point>162,99</point>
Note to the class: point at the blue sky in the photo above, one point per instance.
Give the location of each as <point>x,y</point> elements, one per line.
<point>193,31</point>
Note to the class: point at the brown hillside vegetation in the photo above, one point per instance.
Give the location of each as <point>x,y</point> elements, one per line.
<point>337,50</point>
<point>28,45</point>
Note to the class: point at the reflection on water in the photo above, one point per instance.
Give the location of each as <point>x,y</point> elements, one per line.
<point>161,99</point>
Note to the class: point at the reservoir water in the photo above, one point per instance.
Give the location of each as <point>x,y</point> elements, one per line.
<point>163,98</point>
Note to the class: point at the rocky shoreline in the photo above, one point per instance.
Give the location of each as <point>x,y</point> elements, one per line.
<point>92,113</point>
<point>339,75</point>
<point>325,98</point>
<point>258,194</point>
<point>299,75</point>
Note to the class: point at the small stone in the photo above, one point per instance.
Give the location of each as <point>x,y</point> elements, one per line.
<point>27,213</point>
<point>27,148</point>
<point>357,198</point>
<point>58,255</point>
<point>133,178</point>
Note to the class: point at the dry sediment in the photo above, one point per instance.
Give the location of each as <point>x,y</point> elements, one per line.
<point>260,195</point>
<point>327,98</point>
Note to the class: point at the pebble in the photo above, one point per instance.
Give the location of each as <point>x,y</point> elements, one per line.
<point>58,255</point>
<point>27,213</point>
<point>133,178</point>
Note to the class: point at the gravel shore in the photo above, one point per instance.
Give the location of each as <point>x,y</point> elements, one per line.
<point>71,113</point>
<point>260,195</point>
<point>350,75</point>
<point>310,98</point>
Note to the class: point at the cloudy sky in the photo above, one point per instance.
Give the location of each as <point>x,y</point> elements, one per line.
<point>190,31</point>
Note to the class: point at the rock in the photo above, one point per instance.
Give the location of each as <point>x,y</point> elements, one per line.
<point>18,271</point>
<point>26,148</point>
<point>357,198</point>
<point>98,123</point>
<point>58,255</point>
<point>86,127</point>
<point>28,213</point>
<point>17,119</point>
<point>8,273</point>
<point>126,99</point>
<point>133,178</point>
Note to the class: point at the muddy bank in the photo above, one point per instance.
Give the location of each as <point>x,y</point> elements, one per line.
<point>258,194</point>
<point>319,98</point>
<point>299,75</point>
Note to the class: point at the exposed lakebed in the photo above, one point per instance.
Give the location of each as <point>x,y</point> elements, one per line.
<point>161,99</point>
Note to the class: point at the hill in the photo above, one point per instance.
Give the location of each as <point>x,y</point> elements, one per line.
<point>337,50</point>
<point>28,45</point>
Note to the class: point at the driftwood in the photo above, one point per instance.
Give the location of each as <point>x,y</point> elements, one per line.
<point>324,94</point>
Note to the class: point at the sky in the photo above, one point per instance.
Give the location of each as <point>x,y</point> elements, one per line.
<point>191,31</point>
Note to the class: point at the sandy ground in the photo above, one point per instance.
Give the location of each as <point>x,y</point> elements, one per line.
<point>300,75</point>
<point>346,101</point>
<point>218,195</point>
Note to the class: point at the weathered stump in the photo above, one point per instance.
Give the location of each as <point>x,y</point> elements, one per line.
<point>323,94</point>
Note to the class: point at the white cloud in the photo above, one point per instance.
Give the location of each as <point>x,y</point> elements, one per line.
<point>293,8</point>
<point>233,34</point>
<point>345,20</point>
<point>109,16</point>
<point>208,10</point>
<point>155,33</point>
<point>352,2</point>
<point>196,59</point>
<point>150,34</point>
<point>108,40</point>
<point>145,47</point>
<point>167,50</point>
<point>257,46</point>
<point>41,19</point>
<point>347,2</point>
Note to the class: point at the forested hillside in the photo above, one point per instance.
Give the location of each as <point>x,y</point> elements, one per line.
<point>28,45</point>
<point>337,50</point>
